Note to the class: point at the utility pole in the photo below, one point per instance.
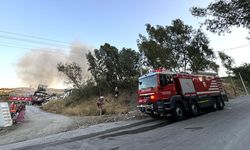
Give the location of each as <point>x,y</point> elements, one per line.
<point>141,62</point>
<point>243,84</point>
<point>140,67</point>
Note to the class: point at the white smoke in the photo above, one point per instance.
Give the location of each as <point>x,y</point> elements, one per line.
<point>40,65</point>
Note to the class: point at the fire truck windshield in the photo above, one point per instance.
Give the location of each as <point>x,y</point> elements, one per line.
<point>148,82</point>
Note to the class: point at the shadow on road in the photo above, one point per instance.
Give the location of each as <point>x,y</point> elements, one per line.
<point>136,131</point>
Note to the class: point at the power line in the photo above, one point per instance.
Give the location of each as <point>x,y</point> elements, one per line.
<point>9,44</point>
<point>30,45</point>
<point>29,39</point>
<point>37,49</point>
<point>233,48</point>
<point>35,37</point>
<point>32,41</point>
<point>61,52</point>
<point>41,48</point>
<point>63,42</point>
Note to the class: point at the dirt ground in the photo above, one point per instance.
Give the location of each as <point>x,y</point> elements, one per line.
<point>39,123</point>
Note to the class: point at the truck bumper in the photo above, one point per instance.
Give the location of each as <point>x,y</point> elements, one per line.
<point>160,107</point>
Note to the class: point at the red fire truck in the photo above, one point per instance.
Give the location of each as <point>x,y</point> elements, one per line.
<point>164,93</point>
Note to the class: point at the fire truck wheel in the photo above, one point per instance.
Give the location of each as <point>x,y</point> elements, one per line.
<point>178,112</point>
<point>214,105</point>
<point>220,103</point>
<point>194,109</point>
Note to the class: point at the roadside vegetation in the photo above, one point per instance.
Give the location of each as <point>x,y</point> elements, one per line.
<point>88,107</point>
<point>177,47</point>
<point>234,87</point>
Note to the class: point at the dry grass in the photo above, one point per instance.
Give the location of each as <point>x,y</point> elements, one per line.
<point>89,108</point>
<point>86,108</point>
<point>230,90</point>
<point>55,106</point>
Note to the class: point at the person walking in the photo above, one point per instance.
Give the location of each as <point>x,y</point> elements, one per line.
<point>100,103</point>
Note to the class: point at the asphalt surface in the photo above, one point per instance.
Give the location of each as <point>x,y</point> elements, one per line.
<point>221,130</point>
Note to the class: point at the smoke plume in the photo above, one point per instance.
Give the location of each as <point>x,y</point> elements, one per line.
<point>40,65</point>
<point>78,55</point>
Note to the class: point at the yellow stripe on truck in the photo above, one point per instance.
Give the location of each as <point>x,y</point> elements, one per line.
<point>204,101</point>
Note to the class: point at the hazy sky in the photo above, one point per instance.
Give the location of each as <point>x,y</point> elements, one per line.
<point>94,22</point>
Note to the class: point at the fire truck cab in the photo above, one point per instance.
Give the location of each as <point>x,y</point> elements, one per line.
<point>164,93</point>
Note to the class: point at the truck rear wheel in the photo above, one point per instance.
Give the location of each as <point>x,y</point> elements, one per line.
<point>178,112</point>
<point>220,103</point>
<point>214,104</point>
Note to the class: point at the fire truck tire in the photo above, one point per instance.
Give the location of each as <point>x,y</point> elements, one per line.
<point>220,103</point>
<point>194,109</point>
<point>214,105</point>
<point>178,112</point>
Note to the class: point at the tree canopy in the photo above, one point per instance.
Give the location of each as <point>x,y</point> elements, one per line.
<point>221,15</point>
<point>73,72</point>
<point>226,61</point>
<point>244,70</point>
<point>177,47</point>
<point>111,67</point>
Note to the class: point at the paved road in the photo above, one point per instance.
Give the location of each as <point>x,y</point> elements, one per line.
<point>221,130</point>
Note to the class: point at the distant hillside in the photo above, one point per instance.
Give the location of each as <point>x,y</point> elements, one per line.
<point>25,91</point>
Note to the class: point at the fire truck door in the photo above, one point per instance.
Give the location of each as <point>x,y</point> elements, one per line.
<point>166,84</point>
